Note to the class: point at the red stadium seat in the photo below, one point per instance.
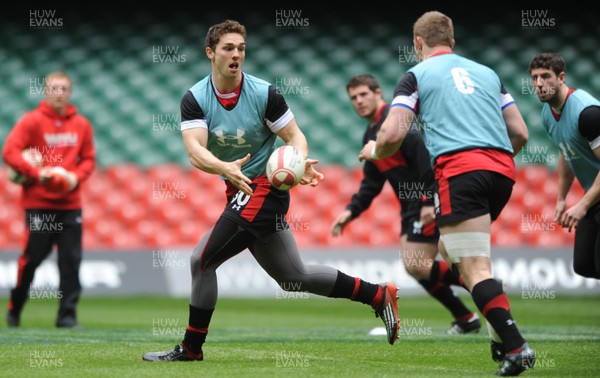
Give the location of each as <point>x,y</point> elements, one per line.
<point>518,191</point>
<point>511,216</point>
<point>105,227</point>
<point>533,201</point>
<point>125,239</point>
<point>130,212</point>
<point>91,213</point>
<point>166,173</point>
<point>162,239</point>
<point>16,231</point>
<point>173,213</point>
<point>123,173</point>
<point>551,190</point>
<point>506,237</point>
<point>138,188</point>
<point>333,173</point>
<point>90,240</point>
<point>98,185</point>
<point>536,176</point>
<point>113,201</point>
<point>190,232</point>
<point>5,241</point>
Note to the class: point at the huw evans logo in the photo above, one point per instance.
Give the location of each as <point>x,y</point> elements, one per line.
<point>290,19</point>
<point>537,19</point>
<point>168,54</point>
<point>44,19</point>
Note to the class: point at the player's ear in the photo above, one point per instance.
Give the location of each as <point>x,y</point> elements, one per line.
<point>209,53</point>
<point>419,44</point>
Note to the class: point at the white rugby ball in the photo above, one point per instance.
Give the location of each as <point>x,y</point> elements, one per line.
<point>285,167</point>
<point>31,155</point>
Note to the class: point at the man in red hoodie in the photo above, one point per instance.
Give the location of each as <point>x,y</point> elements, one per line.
<point>51,196</point>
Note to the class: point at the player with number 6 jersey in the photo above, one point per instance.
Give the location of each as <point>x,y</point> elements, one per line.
<point>230,121</point>
<point>472,128</point>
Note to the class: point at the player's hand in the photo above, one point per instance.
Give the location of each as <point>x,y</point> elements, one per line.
<point>340,222</point>
<point>311,175</point>
<point>570,218</point>
<point>427,215</point>
<point>367,151</point>
<point>233,174</point>
<point>72,179</point>
<point>57,179</point>
<point>44,174</point>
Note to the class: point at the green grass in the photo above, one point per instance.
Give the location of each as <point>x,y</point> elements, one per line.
<point>313,337</point>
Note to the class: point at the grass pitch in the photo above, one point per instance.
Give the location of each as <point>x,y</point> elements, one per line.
<point>302,337</point>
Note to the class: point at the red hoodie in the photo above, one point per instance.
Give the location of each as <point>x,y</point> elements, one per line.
<point>65,141</point>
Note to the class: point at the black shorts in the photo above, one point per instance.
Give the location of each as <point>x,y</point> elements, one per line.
<point>586,252</point>
<point>262,213</point>
<point>414,231</point>
<point>470,195</point>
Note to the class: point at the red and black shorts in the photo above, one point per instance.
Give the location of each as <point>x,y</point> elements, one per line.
<point>470,195</point>
<point>262,213</point>
<point>412,228</point>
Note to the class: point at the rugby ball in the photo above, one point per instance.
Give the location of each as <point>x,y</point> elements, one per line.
<point>59,181</point>
<point>31,155</point>
<point>285,167</point>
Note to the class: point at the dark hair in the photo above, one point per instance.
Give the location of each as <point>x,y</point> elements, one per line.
<point>550,61</point>
<point>368,80</point>
<point>216,31</point>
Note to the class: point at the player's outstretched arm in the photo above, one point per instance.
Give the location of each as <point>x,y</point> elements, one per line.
<point>200,157</point>
<point>565,181</point>
<point>517,129</point>
<point>390,137</point>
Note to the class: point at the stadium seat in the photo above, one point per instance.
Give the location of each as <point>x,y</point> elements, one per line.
<point>104,228</point>
<point>506,238</point>
<point>190,232</point>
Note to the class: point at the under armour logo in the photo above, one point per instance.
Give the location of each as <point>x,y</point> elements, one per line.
<point>222,138</point>
<point>236,207</point>
<point>417,227</point>
<point>510,322</point>
<point>436,203</point>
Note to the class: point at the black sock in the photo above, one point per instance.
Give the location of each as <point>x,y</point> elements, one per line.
<point>447,297</point>
<point>18,297</point>
<point>357,290</point>
<point>443,273</point>
<point>494,305</point>
<point>437,286</point>
<point>456,276</point>
<point>195,334</point>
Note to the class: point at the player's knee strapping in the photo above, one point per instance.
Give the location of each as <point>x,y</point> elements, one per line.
<point>467,244</point>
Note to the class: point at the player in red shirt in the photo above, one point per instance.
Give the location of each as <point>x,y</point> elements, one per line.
<point>51,199</point>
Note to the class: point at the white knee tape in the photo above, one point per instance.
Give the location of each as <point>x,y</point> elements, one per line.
<point>466,244</point>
